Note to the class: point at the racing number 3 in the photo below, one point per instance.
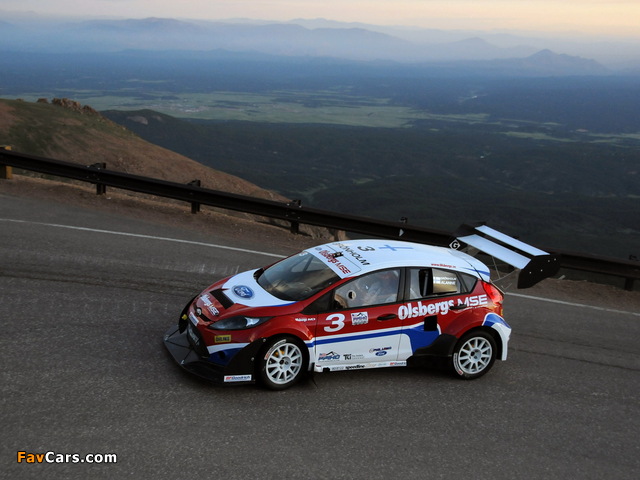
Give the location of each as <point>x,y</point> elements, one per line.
<point>337,322</point>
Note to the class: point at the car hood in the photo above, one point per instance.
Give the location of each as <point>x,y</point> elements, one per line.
<point>243,289</point>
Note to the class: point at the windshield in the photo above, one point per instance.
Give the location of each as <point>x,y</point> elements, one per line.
<point>296,278</point>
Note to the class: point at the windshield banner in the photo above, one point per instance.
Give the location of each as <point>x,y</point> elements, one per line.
<point>336,260</point>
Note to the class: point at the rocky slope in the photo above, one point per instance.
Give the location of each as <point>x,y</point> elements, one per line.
<point>65,130</point>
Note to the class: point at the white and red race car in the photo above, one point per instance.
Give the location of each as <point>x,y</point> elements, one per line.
<point>352,305</point>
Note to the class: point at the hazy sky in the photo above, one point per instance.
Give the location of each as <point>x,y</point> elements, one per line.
<point>620,17</point>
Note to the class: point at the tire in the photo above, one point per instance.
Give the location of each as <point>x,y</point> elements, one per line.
<point>283,363</point>
<point>474,355</point>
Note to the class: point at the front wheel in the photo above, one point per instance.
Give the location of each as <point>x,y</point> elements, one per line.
<point>283,363</point>
<point>474,355</point>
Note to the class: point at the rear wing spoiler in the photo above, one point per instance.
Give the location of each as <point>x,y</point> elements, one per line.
<point>532,263</point>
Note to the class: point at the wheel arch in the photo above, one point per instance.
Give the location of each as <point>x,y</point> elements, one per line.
<point>268,342</point>
<point>491,323</point>
<point>495,334</point>
<point>270,339</point>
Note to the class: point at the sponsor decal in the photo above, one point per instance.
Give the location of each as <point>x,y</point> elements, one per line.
<point>328,357</point>
<point>411,310</point>
<point>193,336</point>
<point>243,291</point>
<point>443,265</point>
<point>360,366</point>
<point>474,301</point>
<point>381,349</point>
<point>354,367</point>
<point>207,302</point>
<point>360,318</point>
<point>445,280</point>
<point>419,309</point>
<point>353,356</point>
<point>237,378</point>
<point>381,354</point>
<point>305,319</point>
<point>331,258</point>
<point>356,256</point>
<point>222,338</point>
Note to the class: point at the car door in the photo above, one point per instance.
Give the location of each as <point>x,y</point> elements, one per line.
<point>361,328</point>
<point>431,302</point>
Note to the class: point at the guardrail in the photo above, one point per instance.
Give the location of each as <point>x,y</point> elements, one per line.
<point>292,212</point>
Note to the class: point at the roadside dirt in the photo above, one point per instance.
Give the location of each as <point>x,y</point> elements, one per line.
<point>272,236</point>
<point>222,223</point>
<point>586,293</point>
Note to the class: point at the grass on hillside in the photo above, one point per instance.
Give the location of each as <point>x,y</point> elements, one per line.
<point>48,124</point>
<point>318,107</point>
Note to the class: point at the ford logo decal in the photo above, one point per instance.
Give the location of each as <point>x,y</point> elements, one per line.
<point>243,291</point>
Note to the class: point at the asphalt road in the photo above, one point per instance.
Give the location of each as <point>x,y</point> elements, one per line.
<point>84,370</point>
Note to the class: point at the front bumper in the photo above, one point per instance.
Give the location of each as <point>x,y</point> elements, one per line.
<point>240,370</point>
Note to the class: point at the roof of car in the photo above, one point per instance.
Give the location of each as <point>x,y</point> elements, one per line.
<point>356,257</point>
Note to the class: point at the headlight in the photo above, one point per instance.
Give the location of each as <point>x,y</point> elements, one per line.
<point>237,323</point>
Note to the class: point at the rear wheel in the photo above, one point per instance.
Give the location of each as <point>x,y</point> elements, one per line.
<point>284,363</point>
<point>474,355</point>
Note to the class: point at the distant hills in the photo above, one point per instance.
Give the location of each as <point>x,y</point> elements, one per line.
<point>304,38</point>
<point>543,63</point>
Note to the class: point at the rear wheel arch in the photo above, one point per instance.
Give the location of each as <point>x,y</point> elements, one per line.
<point>474,353</point>
<point>491,331</point>
<point>496,337</point>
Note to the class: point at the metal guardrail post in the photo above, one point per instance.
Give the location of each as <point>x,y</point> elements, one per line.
<point>101,188</point>
<point>293,215</point>
<point>629,281</point>
<point>195,206</point>
<point>6,172</point>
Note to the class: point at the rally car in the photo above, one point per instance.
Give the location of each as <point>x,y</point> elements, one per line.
<point>352,305</point>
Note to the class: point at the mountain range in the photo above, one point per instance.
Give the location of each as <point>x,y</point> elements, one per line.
<point>306,38</point>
